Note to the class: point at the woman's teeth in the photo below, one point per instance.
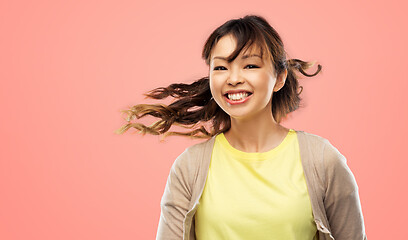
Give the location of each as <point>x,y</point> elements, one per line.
<point>237,96</point>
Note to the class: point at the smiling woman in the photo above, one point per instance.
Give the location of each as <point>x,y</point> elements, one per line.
<point>252,178</point>
<point>243,87</point>
<point>250,34</point>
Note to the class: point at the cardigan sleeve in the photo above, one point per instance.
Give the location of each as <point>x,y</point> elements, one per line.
<point>175,200</point>
<point>342,202</point>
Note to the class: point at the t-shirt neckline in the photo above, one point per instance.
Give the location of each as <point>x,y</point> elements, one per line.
<point>255,155</point>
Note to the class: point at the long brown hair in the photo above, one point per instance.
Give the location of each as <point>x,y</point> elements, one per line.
<point>194,107</point>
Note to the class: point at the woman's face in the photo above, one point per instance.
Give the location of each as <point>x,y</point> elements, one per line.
<point>247,73</point>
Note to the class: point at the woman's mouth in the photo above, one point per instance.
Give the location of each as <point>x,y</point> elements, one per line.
<point>237,98</point>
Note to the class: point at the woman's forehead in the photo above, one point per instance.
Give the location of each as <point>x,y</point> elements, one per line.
<point>225,52</point>
<point>229,42</point>
<point>253,49</point>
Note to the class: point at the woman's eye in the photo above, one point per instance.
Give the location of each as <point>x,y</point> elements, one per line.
<point>218,68</point>
<point>251,66</point>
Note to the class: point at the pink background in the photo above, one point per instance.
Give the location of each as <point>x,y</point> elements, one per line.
<point>67,68</point>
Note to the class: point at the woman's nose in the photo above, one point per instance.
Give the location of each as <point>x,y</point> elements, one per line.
<point>234,78</point>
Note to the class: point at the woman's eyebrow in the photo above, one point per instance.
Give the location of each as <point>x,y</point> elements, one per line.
<point>243,57</point>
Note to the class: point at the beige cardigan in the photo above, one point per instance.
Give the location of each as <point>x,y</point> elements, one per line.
<point>331,185</point>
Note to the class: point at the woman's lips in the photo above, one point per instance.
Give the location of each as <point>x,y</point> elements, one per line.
<point>232,102</point>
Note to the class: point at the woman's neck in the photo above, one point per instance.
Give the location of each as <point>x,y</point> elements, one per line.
<point>258,134</point>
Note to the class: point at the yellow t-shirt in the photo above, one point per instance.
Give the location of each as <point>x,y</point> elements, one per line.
<point>255,196</point>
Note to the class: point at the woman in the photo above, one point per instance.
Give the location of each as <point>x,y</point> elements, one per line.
<point>252,178</point>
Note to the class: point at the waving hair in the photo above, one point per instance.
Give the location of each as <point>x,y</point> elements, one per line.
<point>193,105</point>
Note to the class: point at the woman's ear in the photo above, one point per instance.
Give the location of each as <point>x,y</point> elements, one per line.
<point>280,80</point>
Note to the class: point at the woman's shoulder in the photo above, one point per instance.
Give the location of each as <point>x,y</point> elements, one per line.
<point>331,155</point>
<point>201,146</point>
<point>311,137</point>
<point>193,155</point>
